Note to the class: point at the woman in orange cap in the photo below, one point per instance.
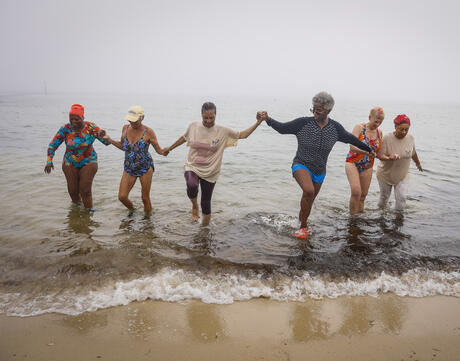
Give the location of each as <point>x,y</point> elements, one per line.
<point>80,160</point>
<point>135,141</point>
<point>397,150</point>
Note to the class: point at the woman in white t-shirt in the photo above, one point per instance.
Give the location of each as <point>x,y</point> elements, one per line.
<point>398,148</point>
<point>207,142</point>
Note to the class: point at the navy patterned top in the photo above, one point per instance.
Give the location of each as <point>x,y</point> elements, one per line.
<point>313,143</point>
<point>137,157</point>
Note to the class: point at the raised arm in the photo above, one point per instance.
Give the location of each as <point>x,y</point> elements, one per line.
<point>291,127</point>
<point>247,132</point>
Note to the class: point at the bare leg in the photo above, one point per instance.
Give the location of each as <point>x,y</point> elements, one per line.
<point>365,179</point>
<point>87,173</point>
<point>72,176</point>
<point>195,209</point>
<point>355,187</point>
<point>126,184</point>
<point>146,183</point>
<point>310,190</point>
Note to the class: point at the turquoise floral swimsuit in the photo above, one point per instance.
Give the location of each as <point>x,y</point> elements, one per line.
<point>79,145</point>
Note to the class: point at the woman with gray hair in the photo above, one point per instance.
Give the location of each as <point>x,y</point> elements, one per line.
<point>316,136</point>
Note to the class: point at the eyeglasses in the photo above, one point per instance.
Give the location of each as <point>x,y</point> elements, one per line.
<point>317,111</point>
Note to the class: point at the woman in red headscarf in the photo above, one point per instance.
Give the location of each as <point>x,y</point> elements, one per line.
<point>398,148</point>
<point>80,160</point>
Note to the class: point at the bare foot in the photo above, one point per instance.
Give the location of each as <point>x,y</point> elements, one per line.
<point>195,213</point>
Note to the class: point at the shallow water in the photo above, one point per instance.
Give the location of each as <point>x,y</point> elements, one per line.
<point>56,257</point>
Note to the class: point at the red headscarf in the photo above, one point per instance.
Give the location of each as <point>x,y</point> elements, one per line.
<point>77,109</point>
<point>402,119</point>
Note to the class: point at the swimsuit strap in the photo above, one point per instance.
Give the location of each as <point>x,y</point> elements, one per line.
<point>126,133</point>
<point>145,131</point>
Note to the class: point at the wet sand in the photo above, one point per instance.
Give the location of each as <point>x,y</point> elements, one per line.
<point>348,328</point>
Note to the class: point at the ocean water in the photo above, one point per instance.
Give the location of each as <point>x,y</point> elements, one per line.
<point>58,258</point>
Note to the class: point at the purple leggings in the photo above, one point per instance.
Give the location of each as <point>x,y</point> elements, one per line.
<point>206,190</point>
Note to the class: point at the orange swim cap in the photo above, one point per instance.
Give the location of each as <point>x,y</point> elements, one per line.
<point>77,109</point>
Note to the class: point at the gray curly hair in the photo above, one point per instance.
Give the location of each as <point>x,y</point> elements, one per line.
<point>325,99</point>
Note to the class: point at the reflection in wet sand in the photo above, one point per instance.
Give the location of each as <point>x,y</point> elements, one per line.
<point>205,322</point>
<point>87,321</point>
<point>140,322</point>
<point>347,316</point>
<point>306,325</point>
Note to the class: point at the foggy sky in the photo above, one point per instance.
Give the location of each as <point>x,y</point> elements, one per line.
<point>407,50</point>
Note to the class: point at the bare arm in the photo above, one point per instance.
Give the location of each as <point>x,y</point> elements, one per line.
<point>389,156</point>
<point>116,143</point>
<point>154,141</point>
<point>247,132</point>
<point>417,161</point>
<point>357,130</point>
<point>177,143</point>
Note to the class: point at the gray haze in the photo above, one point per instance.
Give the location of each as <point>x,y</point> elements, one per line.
<point>405,50</point>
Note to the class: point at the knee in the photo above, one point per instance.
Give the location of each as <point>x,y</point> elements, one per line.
<point>363,196</point>
<point>400,203</point>
<point>356,192</point>
<point>145,199</point>
<point>308,194</point>
<point>191,179</point>
<point>192,191</point>
<point>122,197</point>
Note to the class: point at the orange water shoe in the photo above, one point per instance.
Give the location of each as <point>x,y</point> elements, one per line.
<point>301,233</point>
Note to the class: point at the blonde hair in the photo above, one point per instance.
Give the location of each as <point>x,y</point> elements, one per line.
<point>377,112</point>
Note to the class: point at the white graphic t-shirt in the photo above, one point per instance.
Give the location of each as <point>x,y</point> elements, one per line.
<point>394,171</point>
<point>207,147</point>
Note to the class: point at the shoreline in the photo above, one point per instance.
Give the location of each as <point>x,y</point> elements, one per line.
<point>387,327</point>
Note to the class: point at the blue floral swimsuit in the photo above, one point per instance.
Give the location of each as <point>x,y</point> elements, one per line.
<point>137,157</point>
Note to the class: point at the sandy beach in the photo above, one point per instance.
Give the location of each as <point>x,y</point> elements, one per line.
<point>349,328</point>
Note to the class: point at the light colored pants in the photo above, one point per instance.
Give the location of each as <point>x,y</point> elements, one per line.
<point>400,194</point>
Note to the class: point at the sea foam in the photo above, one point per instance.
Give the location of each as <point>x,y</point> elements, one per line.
<point>177,285</point>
